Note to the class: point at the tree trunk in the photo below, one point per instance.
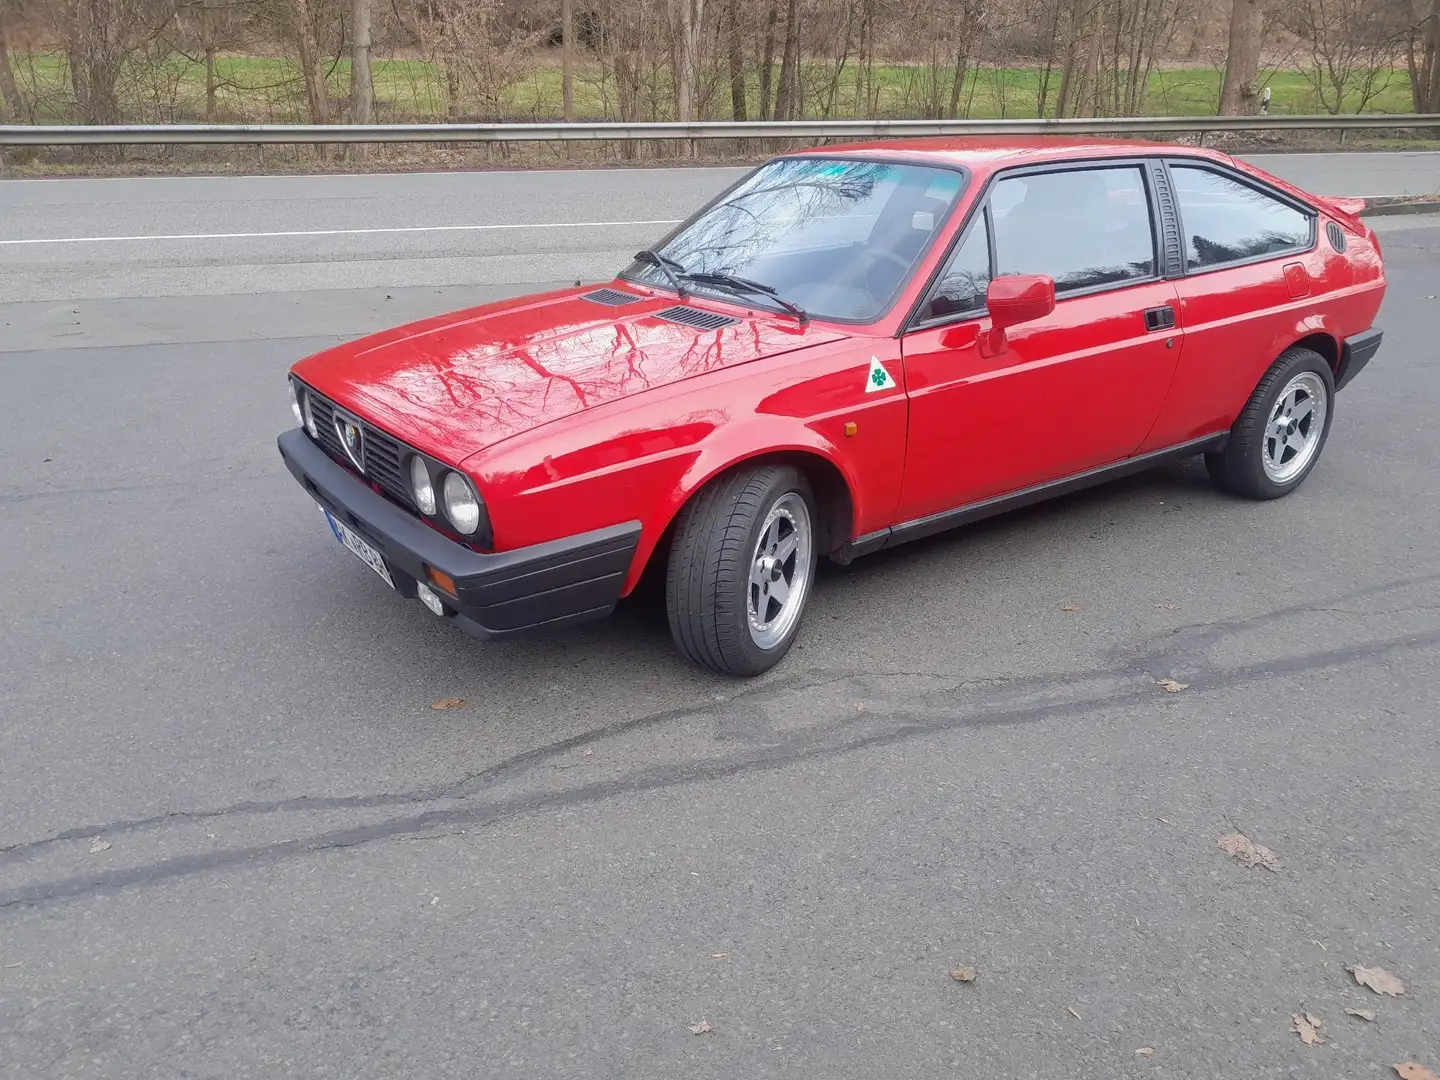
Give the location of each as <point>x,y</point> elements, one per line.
<point>735,53</point>
<point>9,93</point>
<point>786,99</point>
<point>362,88</point>
<point>207,30</point>
<point>962,63</point>
<point>1240,91</point>
<point>1090,91</point>
<point>692,19</point>
<point>317,96</point>
<point>1074,40</point>
<point>1431,68</point>
<point>767,62</point>
<point>567,58</point>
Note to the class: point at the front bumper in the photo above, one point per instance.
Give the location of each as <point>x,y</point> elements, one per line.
<point>1355,353</point>
<point>554,584</point>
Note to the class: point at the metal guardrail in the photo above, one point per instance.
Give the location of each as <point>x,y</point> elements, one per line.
<point>263,134</point>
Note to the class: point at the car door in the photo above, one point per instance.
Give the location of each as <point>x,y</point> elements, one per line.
<point>1075,390</point>
<point>1251,274</point>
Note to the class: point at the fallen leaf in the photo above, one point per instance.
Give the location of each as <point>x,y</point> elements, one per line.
<point>1169,607</point>
<point>448,703</point>
<point>1239,846</point>
<point>702,1028</point>
<point>1069,608</point>
<point>964,974</point>
<point>1413,1070</point>
<point>1072,1012</point>
<point>1378,979</point>
<point>1145,1051</point>
<point>100,845</point>
<point>1308,1028</point>
<point>1363,1014</point>
<point>1170,686</point>
<point>719,955</point>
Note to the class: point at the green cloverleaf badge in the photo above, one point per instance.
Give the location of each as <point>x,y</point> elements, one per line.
<point>879,378</point>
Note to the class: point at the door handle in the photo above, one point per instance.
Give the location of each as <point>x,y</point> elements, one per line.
<point>1159,318</point>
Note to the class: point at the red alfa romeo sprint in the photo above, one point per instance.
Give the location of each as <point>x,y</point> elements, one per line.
<point>850,348</point>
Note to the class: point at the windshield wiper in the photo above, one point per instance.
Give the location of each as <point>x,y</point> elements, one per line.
<point>740,284</point>
<point>669,267</point>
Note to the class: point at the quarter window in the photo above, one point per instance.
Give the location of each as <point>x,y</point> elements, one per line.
<point>1084,227</point>
<point>1225,221</point>
<point>966,276</point>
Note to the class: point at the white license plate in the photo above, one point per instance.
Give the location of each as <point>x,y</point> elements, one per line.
<point>362,551</point>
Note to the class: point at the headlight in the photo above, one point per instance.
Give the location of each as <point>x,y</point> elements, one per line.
<point>309,412</point>
<point>461,505</point>
<point>422,487</point>
<point>295,403</point>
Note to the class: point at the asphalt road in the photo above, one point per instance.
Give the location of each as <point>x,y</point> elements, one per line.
<point>236,840</point>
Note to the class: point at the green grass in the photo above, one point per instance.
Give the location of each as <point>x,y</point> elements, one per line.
<point>265,89</point>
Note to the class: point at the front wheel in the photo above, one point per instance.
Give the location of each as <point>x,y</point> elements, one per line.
<point>1281,431</point>
<point>741,566</point>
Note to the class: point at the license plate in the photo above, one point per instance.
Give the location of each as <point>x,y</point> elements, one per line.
<point>358,547</point>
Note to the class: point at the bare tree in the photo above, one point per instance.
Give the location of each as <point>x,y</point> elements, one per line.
<point>567,59</point>
<point>1240,90</point>
<point>1350,45</point>
<point>10,103</point>
<point>687,49</point>
<point>1422,54</point>
<point>98,36</point>
<point>317,95</point>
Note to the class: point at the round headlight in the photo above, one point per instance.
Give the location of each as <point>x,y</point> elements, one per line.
<point>461,505</point>
<point>295,403</point>
<point>421,486</point>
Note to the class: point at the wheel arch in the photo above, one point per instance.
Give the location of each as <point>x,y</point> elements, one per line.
<point>834,495</point>
<point>1322,342</point>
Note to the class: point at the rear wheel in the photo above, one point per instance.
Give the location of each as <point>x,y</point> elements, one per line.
<point>1281,431</point>
<point>741,567</point>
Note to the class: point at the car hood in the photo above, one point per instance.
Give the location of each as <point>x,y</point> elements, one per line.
<point>456,384</point>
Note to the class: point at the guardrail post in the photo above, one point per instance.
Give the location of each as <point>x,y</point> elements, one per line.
<point>260,154</point>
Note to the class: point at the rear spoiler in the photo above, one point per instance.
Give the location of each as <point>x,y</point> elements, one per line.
<point>1344,206</point>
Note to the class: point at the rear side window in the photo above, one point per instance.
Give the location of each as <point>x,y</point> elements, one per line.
<point>1225,221</point>
<point>1084,227</point>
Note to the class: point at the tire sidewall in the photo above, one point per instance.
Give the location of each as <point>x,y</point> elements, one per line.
<point>1301,361</point>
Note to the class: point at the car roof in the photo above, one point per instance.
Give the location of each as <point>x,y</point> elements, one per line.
<point>985,154</point>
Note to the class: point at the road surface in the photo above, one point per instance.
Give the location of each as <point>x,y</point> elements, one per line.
<point>237,840</point>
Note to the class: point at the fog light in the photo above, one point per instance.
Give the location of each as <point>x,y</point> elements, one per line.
<point>429,598</point>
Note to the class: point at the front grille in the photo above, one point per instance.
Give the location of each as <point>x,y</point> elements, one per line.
<point>689,316</point>
<point>384,456</point>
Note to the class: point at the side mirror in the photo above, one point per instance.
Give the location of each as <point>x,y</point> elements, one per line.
<point>1012,300</point>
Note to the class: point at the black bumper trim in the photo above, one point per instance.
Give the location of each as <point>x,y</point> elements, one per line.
<point>1355,353</point>
<point>557,583</point>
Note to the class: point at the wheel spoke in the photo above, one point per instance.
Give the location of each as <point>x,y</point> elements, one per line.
<point>780,591</point>
<point>787,547</point>
<point>1302,410</point>
<point>757,574</point>
<point>1277,453</point>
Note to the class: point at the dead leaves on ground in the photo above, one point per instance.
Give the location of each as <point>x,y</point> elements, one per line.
<point>1363,1014</point>
<point>1170,686</point>
<point>1240,847</point>
<point>964,974</point>
<point>448,703</point>
<point>100,845</point>
<point>704,1027</point>
<point>1378,979</point>
<point>1413,1070</point>
<point>1145,1051</point>
<point>1308,1028</point>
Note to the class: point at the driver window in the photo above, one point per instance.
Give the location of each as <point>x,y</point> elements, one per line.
<point>962,284</point>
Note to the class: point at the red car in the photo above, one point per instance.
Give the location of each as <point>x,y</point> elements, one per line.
<point>850,348</point>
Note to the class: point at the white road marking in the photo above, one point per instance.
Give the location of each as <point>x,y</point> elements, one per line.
<point>335,232</point>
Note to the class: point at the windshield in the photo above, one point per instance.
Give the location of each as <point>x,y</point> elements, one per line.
<point>838,238</point>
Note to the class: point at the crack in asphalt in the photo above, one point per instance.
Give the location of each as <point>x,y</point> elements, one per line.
<point>957,705</point>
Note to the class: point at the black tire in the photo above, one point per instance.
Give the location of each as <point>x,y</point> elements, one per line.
<point>707,583</point>
<point>1241,467</point>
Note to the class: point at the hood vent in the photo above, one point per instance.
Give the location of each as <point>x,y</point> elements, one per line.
<point>610,297</point>
<point>701,320</point>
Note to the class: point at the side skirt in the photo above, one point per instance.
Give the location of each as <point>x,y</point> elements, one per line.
<point>1000,504</point>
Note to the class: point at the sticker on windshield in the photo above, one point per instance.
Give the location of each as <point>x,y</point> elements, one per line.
<point>879,378</point>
